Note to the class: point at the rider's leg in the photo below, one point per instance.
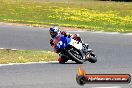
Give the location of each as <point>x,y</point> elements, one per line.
<point>62,59</point>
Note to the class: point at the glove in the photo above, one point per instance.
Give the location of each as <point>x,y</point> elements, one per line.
<point>74,36</point>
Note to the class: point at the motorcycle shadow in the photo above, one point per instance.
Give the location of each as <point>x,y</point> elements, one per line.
<point>67,63</point>
<point>64,63</point>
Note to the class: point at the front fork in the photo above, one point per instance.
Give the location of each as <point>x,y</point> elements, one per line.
<point>86,52</point>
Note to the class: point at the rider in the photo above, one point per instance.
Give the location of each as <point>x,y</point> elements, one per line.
<point>55,33</point>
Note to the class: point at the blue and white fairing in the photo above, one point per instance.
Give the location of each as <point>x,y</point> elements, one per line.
<point>65,41</point>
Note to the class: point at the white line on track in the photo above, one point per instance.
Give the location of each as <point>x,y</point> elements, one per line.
<point>13,49</point>
<point>108,87</point>
<point>2,48</point>
<point>28,63</point>
<point>41,62</point>
<point>127,34</point>
<point>76,31</point>
<point>101,32</point>
<point>112,33</point>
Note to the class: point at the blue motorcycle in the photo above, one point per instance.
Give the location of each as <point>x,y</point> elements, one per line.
<point>70,49</point>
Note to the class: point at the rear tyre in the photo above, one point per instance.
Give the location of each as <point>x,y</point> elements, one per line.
<point>76,55</point>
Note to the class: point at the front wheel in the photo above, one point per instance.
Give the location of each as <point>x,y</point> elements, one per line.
<point>75,54</point>
<point>91,57</point>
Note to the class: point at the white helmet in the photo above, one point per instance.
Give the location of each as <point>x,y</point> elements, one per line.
<point>54,31</point>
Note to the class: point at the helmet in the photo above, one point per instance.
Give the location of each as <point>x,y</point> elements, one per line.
<point>54,32</point>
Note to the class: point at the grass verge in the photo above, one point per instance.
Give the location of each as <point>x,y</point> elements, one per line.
<point>88,14</point>
<point>24,56</point>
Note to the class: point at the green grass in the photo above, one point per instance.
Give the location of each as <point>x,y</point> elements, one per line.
<point>24,56</point>
<point>87,14</point>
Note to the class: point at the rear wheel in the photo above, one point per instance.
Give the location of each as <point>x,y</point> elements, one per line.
<point>76,55</point>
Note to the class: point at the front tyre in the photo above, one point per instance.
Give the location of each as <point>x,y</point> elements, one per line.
<point>91,57</point>
<point>76,55</point>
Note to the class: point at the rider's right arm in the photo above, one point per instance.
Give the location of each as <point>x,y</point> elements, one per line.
<point>51,42</point>
<point>66,34</point>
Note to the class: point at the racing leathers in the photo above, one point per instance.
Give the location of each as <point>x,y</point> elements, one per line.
<point>66,34</point>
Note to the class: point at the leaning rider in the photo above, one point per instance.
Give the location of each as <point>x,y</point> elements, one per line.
<point>55,33</point>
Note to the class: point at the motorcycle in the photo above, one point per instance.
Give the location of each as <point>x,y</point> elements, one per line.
<point>70,49</point>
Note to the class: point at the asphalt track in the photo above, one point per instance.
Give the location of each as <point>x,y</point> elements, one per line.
<point>114,53</point>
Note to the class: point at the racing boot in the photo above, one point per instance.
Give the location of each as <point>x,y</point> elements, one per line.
<point>61,60</point>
